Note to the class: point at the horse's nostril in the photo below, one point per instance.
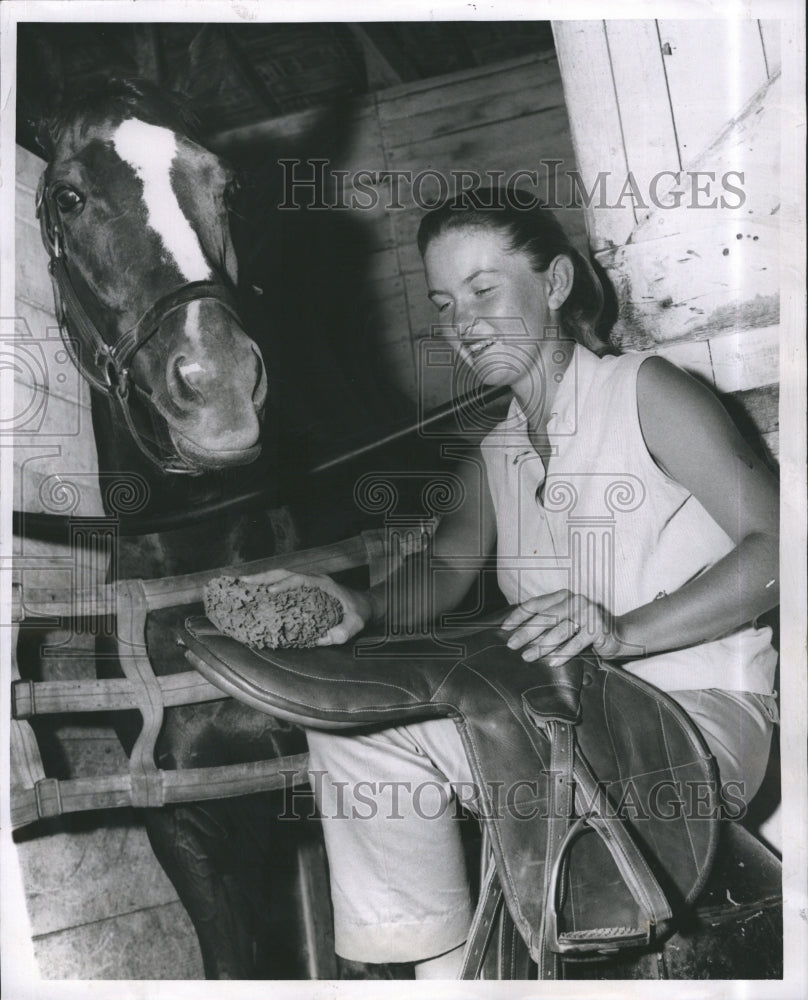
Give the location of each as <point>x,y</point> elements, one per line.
<point>182,379</point>
<point>260,391</point>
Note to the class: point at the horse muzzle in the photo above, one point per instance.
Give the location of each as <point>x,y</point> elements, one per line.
<point>214,391</point>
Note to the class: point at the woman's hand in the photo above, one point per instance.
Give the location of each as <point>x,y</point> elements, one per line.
<point>357,610</point>
<point>560,625</point>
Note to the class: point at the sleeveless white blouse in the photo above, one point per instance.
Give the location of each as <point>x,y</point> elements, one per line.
<point>605,521</point>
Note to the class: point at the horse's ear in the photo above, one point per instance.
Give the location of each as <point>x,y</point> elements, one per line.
<point>42,133</point>
<point>190,74</point>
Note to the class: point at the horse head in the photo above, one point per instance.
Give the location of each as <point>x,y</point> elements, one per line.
<point>134,215</point>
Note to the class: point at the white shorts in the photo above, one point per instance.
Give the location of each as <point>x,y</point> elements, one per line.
<point>387,798</point>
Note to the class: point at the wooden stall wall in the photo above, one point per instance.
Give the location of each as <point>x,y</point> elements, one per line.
<point>99,904</point>
<point>492,121</point>
<point>697,275</point>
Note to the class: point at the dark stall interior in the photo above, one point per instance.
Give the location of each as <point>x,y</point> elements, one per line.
<point>341,317</point>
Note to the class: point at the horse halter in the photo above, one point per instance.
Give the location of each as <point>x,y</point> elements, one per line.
<point>107,367</point>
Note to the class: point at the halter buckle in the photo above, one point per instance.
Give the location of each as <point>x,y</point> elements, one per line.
<point>116,379</point>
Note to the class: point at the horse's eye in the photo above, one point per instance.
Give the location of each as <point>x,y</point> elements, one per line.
<point>232,191</point>
<point>67,200</point>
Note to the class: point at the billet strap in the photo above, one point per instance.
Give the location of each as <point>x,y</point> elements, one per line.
<point>482,925</point>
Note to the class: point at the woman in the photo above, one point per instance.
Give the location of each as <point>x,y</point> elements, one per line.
<point>693,563</point>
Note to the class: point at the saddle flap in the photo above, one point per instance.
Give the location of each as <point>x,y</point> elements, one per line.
<point>556,697</point>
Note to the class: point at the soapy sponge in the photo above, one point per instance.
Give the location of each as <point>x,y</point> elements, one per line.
<point>247,611</point>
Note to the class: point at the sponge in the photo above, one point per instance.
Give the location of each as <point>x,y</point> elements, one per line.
<point>249,612</point>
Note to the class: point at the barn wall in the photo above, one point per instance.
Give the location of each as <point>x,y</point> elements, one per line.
<point>99,904</point>
<point>698,281</point>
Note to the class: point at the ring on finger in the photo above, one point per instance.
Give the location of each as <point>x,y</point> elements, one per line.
<point>576,627</point>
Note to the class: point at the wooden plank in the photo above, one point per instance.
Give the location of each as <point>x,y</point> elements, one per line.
<point>367,208</point>
<point>43,565</point>
<point>770,34</point>
<point>363,149</point>
<point>642,97</point>
<point>28,167</point>
<point>497,145</point>
<point>397,362</point>
<point>381,265</point>
<point>25,762</point>
<point>693,357</point>
<point>505,147</point>
<point>72,881</point>
<point>32,279</point>
<point>479,108</point>
<point>746,360</point>
<point>693,285</point>
<point>423,315</point>
<point>57,474</point>
<point>771,442</point>
<point>749,149</point>
<point>594,117</point>
<point>755,411</point>
<point>713,70</point>
<point>414,98</point>
<point>285,130</point>
<point>386,328</point>
<point>95,751</point>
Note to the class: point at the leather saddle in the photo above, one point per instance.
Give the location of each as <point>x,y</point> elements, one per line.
<point>598,796</point>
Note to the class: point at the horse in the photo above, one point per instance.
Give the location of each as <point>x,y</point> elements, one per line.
<point>146,230</point>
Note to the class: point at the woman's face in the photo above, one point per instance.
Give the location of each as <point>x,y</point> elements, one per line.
<point>491,304</point>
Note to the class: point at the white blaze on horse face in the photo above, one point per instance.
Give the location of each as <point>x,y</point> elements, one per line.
<point>192,327</point>
<point>150,151</point>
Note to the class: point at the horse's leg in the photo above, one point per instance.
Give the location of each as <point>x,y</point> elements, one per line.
<point>186,840</point>
<point>229,859</point>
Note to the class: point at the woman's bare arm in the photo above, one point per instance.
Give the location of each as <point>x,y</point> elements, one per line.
<point>693,440</point>
<point>462,539</point>
<point>451,566</point>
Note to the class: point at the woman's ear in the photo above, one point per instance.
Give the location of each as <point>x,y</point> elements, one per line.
<point>561,274</point>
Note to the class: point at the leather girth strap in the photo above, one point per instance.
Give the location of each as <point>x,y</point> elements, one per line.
<point>579,770</point>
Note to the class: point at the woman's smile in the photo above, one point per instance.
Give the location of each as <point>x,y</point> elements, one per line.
<point>477,348</point>
<point>491,298</point>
